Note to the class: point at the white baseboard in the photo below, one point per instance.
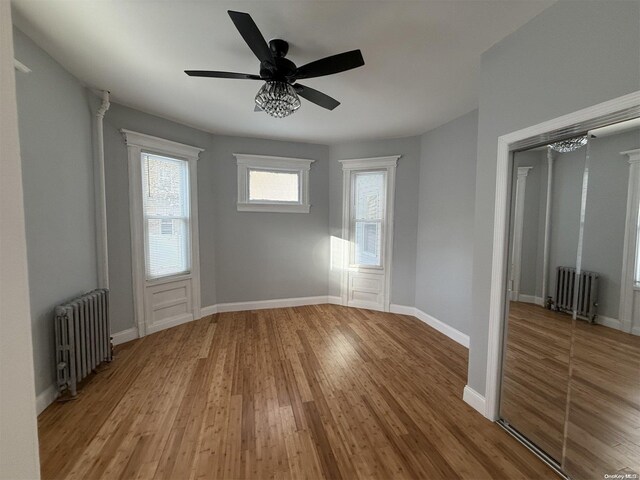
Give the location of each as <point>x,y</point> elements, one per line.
<point>124,336</point>
<point>609,322</point>
<point>334,300</point>
<point>262,304</point>
<point>474,399</point>
<point>174,322</point>
<point>531,299</point>
<point>46,398</point>
<point>210,310</point>
<point>616,324</point>
<point>449,331</point>
<point>402,310</point>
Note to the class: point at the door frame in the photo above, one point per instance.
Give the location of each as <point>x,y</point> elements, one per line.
<point>137,143</point>
<point>618,109</point>
<point>387,164</point>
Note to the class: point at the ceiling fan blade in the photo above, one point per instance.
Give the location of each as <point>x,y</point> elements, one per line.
<point>213,74</point>
<point>251,34</point>
<point>314,96</point>
<point>330,65</point>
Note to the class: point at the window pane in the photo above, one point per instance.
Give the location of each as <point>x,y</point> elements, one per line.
<point>369,195</point>
<point>164,186</point>
<point>274,186</point>
<point>167,252</point>
<point>367,244</point>
<point>165,189</point>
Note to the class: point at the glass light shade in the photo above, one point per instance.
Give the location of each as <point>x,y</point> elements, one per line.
<point>569,145</point>
<point>278,99</point>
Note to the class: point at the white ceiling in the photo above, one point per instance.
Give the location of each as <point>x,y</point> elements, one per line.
<point>421,58</point>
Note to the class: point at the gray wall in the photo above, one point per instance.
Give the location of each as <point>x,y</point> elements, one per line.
<point>444,256</point>
<point>261,256</point>
<point>573,55</point>
<point>117,190</point>
<point>57,171</point>
<point>406,210</point>
<point>244,256</point>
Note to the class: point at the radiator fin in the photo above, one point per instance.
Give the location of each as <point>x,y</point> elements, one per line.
<point>82,338</point>
<point>584,300</point>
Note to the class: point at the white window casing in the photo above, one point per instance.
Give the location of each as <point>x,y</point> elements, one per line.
<point>278,200</point>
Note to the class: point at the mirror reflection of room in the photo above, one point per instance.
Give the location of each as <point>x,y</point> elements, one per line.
<point>545,223</point>
<point>571,362</point>
<point>603,428</point>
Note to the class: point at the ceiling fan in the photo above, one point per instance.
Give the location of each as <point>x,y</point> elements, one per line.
<point>279,95</point>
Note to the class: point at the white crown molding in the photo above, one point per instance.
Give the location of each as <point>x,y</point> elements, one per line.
<point>160,145</point>
<point>375,162</point>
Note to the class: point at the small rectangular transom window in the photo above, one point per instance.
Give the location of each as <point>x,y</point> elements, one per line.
<point>273,184</point>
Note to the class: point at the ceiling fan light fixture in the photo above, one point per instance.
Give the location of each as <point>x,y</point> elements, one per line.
<point>278,99</point>
<point>569,145</point>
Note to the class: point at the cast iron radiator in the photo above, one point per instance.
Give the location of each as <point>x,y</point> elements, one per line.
<point>82,336</point>
<point>586,299</point>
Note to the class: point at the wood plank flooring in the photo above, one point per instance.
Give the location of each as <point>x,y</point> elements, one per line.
<point>536,375</point>
<point>307,392</point>
<point>596,393</point>
<point>603,428</point>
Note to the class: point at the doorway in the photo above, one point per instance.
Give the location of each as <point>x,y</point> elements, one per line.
<point>368,194</point>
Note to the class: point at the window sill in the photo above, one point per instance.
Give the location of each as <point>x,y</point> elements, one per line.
<point>270,207</point>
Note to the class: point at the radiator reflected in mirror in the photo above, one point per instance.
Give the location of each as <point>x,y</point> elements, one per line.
<point>571,350</point>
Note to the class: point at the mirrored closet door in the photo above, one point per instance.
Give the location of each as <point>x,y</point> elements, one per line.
<point>571,351</point>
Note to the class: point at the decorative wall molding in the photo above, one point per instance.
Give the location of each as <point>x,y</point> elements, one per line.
<point>500,230</point>
<point>474,399</point>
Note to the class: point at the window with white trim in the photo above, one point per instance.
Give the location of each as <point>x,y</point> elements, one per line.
<point>166,212</point>
<point>273,184</point>
<point>367,217</point>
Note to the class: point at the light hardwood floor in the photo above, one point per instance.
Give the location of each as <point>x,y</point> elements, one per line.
<point>307,392</point>
<point>595,393</point>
